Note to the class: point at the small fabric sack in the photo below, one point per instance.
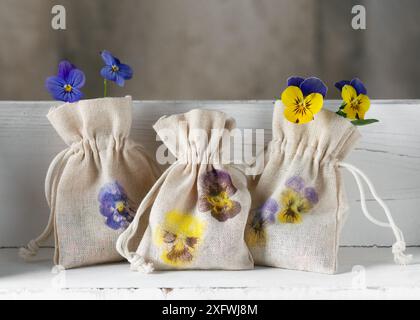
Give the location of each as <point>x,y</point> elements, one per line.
<point>299,204</point>
<point>199,206</point>
<point>95,185</point>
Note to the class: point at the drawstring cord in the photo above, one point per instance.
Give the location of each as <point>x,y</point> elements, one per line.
<point>51,182</point>
<point>137,262</point>
<point>399,246</point>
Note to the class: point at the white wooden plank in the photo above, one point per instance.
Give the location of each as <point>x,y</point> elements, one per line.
<point>376,276</point>
<point>389,153</point>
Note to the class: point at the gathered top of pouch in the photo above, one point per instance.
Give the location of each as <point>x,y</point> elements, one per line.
<point>92,119</point>
<point>327,137</point>
<point>198,136</point>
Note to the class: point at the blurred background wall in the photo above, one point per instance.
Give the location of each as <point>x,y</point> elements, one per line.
<point>212,49</point>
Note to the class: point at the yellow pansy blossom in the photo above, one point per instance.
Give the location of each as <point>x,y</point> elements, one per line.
<point>355,106</point>
<point>299,109</point>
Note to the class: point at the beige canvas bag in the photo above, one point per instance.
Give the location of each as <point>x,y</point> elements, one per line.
<point>199,206</point>
<point>299,204</point>
<point>95,185</point>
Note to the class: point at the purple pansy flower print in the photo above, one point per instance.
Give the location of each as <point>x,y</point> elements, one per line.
<point>266,214</point>
<point>216,190</point>
<point>311,195</point>
<point>114,205</point>
<point>296,183</point>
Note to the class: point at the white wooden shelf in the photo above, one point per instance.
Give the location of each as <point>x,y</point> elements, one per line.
<point>389,152</point>
<point>381,279</point>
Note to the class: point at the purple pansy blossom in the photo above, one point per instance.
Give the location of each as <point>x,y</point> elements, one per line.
<point>66,85</point>
<point>114,205</point>
<point>308,85</point>
<point>114,70</point>
<point>356,83</point>
<point>215,192</point>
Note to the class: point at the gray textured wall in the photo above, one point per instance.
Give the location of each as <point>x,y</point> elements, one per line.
<point>218,49</point>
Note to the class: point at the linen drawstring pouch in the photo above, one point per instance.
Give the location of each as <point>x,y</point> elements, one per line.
<point>198,207</point>
<point>95,185</point>
<point>299,203</point>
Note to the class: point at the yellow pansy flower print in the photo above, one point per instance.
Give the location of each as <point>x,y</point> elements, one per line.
<point>179,237</point>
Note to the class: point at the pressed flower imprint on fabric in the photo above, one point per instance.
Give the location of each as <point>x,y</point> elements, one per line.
<point>216,190</point>
<point>266,214</point>
<point>179,237</point>
<point>114,205</point>
<point>296,200</point>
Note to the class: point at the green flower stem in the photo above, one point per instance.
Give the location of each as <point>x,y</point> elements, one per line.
<point>341,113</point>
<point>105,88</point>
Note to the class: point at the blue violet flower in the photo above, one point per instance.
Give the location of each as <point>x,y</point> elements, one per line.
<point>114,70</point>
<point>66,85</point>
